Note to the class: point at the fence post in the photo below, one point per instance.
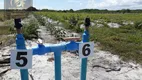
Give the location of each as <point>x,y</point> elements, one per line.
<point>20,44</point>
<point>57,56</point>
<point>85,38</point>
<point>84,60</point>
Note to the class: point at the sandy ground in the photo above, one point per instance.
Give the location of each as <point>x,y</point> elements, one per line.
<point>102,66</point>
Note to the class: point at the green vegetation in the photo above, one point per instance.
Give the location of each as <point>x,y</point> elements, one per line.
<point>138,25</point>
<point>4,30</point>
<point>63,17</point>
<point>1,16</point>
<point>123,11</point>
<point>125,41</point>
<point>30,30</point>
<point>110,11</point>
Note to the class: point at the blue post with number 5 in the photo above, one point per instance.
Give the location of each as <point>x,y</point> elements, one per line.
<point>20,44</point>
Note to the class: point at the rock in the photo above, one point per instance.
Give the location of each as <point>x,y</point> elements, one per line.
<point>113,25</point>
<point>99,25</point>
<point>92,23</point>
<point>128,23</point>
<point>82,26</point>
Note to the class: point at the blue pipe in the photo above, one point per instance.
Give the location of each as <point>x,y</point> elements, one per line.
<point>56,48</point>
<point>65,46</point>
<point>85,38</point>
<point>42,49</point>
<point>57,57</point>
<point>20,44</point>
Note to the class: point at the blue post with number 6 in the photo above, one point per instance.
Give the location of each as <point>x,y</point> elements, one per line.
<point>20,44</point>
<point>85,38</point>
<point>84,60</point>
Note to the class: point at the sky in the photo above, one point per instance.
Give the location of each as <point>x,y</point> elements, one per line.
<point>84,4</point>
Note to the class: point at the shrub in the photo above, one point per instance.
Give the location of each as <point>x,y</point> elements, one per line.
<point>73,21</point>
<point>138,25</point>
<point>30,30</point>
<point>40,19</point>
<point>78,29</point>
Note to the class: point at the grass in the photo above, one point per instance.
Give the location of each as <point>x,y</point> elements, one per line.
<point>125,41</point>
<point>60,16</point>
<point>4,30</point>
<point>1,16</point>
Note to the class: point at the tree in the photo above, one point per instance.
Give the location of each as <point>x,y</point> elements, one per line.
<point>31,9</point>
<point>71,10</point>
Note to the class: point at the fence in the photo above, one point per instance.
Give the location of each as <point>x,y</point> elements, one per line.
<point>57,49</point>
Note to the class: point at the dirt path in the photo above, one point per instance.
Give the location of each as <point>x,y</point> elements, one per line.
<point>45,35</point>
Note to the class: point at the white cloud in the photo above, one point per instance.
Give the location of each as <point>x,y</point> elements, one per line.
<point>115,4</point>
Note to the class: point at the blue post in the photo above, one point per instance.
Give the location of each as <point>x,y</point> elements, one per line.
<point>20,42</point>
<point>85,38</point>
<point>57,57</point>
